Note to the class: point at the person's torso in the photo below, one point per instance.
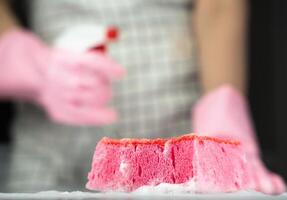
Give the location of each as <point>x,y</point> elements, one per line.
<point>153,100</point>
<point>155,47</point>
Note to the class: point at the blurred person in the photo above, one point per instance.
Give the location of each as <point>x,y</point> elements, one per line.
<point>160,44</point>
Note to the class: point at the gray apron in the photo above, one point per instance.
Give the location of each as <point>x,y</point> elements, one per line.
<point>153,100</point>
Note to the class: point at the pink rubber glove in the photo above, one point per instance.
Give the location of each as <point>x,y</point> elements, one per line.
<point>73,88</point>
<point>224,113</point>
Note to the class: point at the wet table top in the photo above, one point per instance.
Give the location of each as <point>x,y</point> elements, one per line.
<point>119,196</point>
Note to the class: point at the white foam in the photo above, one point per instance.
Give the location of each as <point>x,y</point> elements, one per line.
<point>123,167</point>
<point>188,187</point>
<point>166,148</point>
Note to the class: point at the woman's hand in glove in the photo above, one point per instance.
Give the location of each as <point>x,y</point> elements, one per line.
<point>224,113</point>
<point>73,88</point>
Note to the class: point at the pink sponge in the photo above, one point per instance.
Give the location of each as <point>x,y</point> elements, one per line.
<point>214,165</point>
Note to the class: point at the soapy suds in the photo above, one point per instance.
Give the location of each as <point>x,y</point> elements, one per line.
<point>123,167</point>
<point>166,148</point>
<point>188,187</point>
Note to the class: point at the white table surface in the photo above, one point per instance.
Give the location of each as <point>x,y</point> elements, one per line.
<point>98,196</point>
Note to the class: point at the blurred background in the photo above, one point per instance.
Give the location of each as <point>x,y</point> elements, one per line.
<point>268,89</point>
<point>268,92</point>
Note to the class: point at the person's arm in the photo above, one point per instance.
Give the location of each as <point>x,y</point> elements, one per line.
<point>220,27</point>
<point>7,19</point>
<point>223,111</point>
<point>72,87</point>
